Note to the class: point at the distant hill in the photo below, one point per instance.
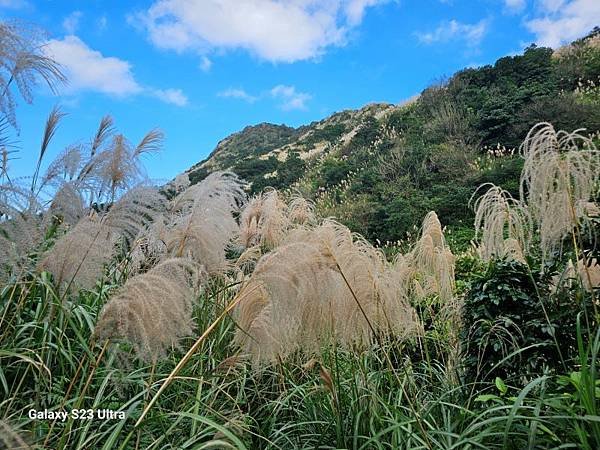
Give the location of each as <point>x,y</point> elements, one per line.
<point>380,168</point>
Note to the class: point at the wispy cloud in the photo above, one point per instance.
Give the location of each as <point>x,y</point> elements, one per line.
<point>102,22</point>
<point>471,34</point>
<point>515,6</point>
<point>89,70</point>
<point>290,98</point>
<point>71,22</point>
<point>237,93</point>
<point>273,30</point>
<point>205,63</point>
<point>173,96</point>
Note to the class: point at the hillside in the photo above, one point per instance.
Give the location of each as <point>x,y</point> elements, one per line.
<point>379,169</point>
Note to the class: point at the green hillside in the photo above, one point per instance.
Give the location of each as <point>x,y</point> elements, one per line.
<point>379,169</point>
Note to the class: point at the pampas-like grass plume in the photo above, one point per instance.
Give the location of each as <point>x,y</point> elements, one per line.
<point>153,310</point>
<point>429,266</point>
<point>203,224</point>
<point>589,275</point>
<point>264,221</point>
<point>21,229</point>
<point>504,223</point>
<point>78,258</point>
<point>268,218</point>
<point>322,284</point>
<point>560,172</point>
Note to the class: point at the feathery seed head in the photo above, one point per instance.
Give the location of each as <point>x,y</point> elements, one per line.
<point>153,310</point>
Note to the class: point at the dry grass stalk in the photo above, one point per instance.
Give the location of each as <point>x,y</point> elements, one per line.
<point>153,310</point>
<point>306,291</point>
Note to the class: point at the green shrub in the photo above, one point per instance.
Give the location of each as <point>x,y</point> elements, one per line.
<point>508,312</point>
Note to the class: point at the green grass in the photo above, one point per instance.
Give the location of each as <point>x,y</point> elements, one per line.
<point>387,397</point>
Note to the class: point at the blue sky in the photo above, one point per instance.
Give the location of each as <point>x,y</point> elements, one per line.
<point>202,69</point>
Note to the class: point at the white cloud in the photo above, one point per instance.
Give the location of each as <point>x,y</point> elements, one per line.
<point>355,10</point>
<point>88,70</point>
<point>71,22</point>
<point>561,21</point>
<point>173,96</point>
<point>239,94</point>
<point>515,5</point>
<point>274,30</point>
<point>205,63</point>
<point>290,98</point>
<point>472,34</point>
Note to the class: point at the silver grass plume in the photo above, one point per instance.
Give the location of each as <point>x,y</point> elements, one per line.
<point>149,247</point>
<point>428,269</point>
<point>588,275</point>
<point>67,205</point>
<point>202,223</point>
<point>21,229</point>
<point>153,310</point>
<point>220,184</point>
<point>322,284</point>
<point>504,223</point>
<point>135,211</point>
<point>264,221</point>
<point>118,167</point>
<point>78,258</point>
<point>23,63</point>
<point>301,211</point>
<point>560,172</point>
<point>267,218</point>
